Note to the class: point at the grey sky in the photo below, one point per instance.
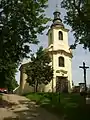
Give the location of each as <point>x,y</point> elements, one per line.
<point>79,55</point>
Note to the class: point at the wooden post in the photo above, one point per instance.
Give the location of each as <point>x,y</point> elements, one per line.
<point>84,68</point>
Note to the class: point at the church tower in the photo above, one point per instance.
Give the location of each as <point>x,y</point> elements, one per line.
<point>61,55</point>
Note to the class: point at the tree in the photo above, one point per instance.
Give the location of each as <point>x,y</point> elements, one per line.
<point>7,74</point>
<point>20,22</point>
<point>78,17</point>
<point>39,70</point>
<point>12,84</point>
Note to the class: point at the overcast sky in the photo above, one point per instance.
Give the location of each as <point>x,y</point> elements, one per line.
<point>79,55</point>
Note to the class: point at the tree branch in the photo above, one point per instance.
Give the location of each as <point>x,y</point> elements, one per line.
<point>79,3</point>
<point>1,12</point>
<point>78,8</point>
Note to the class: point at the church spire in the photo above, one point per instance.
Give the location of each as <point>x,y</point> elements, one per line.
<point>57,13</point>
<point>57,20</point>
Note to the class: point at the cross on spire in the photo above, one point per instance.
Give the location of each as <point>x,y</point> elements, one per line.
<point>57,20</point>
<point>57,7</point>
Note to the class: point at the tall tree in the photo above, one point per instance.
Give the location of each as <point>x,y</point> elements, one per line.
<point>20,22</point>
<point>78,17</point>
<point>39,70</point>
<point>7,75</point>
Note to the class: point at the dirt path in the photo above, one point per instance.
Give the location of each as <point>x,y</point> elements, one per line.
<point>20,108</point>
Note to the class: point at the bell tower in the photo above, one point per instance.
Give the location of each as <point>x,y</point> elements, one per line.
<point>61,55</point>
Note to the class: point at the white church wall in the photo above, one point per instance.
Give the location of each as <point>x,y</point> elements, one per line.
<point>48,87</point>
<point>60,44</point>
<point>56,64</point>
<point>70,73</point>
<point>67,68</point>
<point>27,88</point>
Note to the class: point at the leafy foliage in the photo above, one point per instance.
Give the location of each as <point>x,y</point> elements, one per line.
<point>78,17</point>
<point>7,73</point>
<point>20,22</point>
<point>39,70</point>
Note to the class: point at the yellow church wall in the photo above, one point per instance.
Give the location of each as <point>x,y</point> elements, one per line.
<point>60,44</point>
<point>67,68</point>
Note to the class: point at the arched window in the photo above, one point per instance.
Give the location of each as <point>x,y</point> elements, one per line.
<point>60,34</point>
<point>61,61</point>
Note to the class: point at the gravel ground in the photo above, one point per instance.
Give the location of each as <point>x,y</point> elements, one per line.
<point>16,107</point>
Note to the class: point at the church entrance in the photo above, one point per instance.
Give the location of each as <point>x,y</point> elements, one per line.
<point>61,84</point>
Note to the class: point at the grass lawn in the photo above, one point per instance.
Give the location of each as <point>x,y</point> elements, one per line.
<point>71,106</point>
<point>0,96</point>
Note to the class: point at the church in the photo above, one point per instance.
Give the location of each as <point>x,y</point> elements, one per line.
<point>61,55</point>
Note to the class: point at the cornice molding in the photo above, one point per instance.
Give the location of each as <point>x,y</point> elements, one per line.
<point>61,52</point>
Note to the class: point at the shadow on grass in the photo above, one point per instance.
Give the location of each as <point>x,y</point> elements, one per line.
<point>70,106</point>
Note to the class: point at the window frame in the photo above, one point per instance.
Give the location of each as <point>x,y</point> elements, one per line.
<point>61,61</point>
<point>60,35</point>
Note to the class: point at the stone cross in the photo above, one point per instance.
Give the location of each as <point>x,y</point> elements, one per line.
<point>84,68</point>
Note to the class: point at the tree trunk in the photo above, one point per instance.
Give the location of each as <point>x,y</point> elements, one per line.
<point>36,86</point>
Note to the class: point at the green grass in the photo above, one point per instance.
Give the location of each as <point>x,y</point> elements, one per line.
<point>0,96</point>
<point>72,106</point>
